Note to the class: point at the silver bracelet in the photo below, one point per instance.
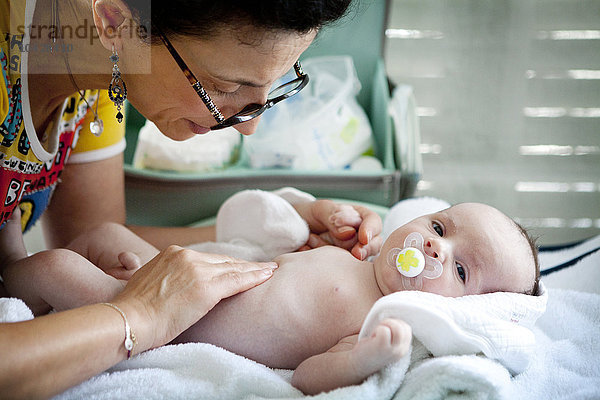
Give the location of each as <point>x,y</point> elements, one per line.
<point>130,339</point>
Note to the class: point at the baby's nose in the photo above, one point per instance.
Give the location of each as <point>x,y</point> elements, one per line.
<point>436,248</point>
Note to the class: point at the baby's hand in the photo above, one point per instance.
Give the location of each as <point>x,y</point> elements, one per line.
<point>344,221</point>
<point>389,342</point>
<point>353,228</point>
<point>129,263</point>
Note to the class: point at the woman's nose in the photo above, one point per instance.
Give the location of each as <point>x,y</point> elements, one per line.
<point>248,128</point>
<point>436,248</point>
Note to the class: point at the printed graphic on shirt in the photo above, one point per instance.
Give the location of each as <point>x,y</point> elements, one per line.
<point>19,184</point>
<point>14,118</point>
<point>25,178</point>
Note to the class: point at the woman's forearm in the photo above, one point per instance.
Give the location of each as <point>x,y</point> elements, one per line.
<point>47,355</point>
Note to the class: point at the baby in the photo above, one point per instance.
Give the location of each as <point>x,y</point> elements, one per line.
<point>308,315</point>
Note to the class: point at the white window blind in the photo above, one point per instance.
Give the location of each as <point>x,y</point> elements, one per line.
<point>509,105</point>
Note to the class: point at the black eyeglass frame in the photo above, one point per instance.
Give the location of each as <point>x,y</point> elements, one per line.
<point>249,112</point>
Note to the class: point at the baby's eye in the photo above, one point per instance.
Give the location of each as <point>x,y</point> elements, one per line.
<point>461,272</point>
<point>438,228</point>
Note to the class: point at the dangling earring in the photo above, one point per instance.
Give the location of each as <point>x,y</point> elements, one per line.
<point>117,91</point>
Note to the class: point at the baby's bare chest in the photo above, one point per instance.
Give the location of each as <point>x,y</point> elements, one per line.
<point>310,303</point>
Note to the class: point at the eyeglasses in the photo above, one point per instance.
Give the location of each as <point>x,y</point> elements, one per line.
<point>249,112</point>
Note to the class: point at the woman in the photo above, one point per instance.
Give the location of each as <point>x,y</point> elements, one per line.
<point>51,50</point>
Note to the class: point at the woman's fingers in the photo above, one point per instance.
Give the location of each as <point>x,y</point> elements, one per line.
<point>358,250</point>
<point>371,225</point>
<point>362,251</point>
<point>240,277</point>
<point>224,258</point>
<point>352,227</point>
<point>327,239</point>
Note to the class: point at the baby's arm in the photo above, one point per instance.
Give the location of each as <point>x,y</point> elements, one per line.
<point>351,361</point>
<point>67,278</point>
<point>59,279</point>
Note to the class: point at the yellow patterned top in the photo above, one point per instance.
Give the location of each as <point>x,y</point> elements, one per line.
<point>30,164</point>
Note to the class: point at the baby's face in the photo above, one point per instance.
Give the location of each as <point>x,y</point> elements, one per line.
<point>480,248</point>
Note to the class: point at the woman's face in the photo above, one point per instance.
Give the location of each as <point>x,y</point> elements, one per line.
<point>235,68</point>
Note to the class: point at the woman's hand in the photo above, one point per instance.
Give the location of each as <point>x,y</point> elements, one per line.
<point>352,227</point>
<point>178,287</point>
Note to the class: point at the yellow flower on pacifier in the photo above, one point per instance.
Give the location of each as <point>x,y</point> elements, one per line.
<point>410,262</point>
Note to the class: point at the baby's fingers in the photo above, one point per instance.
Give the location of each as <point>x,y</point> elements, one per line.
<point>400,335</point>
<point>345,215</point>
<point>129,263</point>
<point>130,260</point>
<point>341,220</point>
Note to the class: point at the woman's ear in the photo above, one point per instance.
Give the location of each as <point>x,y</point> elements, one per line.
<point>113,20</point>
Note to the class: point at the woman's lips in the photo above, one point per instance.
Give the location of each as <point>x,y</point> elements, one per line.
<point>197,129</point>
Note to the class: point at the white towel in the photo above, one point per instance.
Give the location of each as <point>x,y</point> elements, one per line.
<point>495,324</point>
<point>460,377</point>
<point>14,310</point>
<point>564,365</point>
<point>566,362</point>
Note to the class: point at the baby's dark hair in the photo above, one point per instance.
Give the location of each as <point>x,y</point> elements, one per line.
<point>533,290</point>
<point>203,18</point>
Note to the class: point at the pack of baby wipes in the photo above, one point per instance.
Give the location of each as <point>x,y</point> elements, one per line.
<point>208,152</point>
<point>321,128</point>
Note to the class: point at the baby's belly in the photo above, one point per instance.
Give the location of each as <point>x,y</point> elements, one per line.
<point>303,310</point>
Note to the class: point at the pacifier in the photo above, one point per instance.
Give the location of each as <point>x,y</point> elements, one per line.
<point>413,263</point>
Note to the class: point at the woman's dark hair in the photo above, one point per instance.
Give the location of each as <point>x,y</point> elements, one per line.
<point>203,18</point>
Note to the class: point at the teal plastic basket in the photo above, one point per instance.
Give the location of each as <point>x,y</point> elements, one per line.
<point>165,198</point>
